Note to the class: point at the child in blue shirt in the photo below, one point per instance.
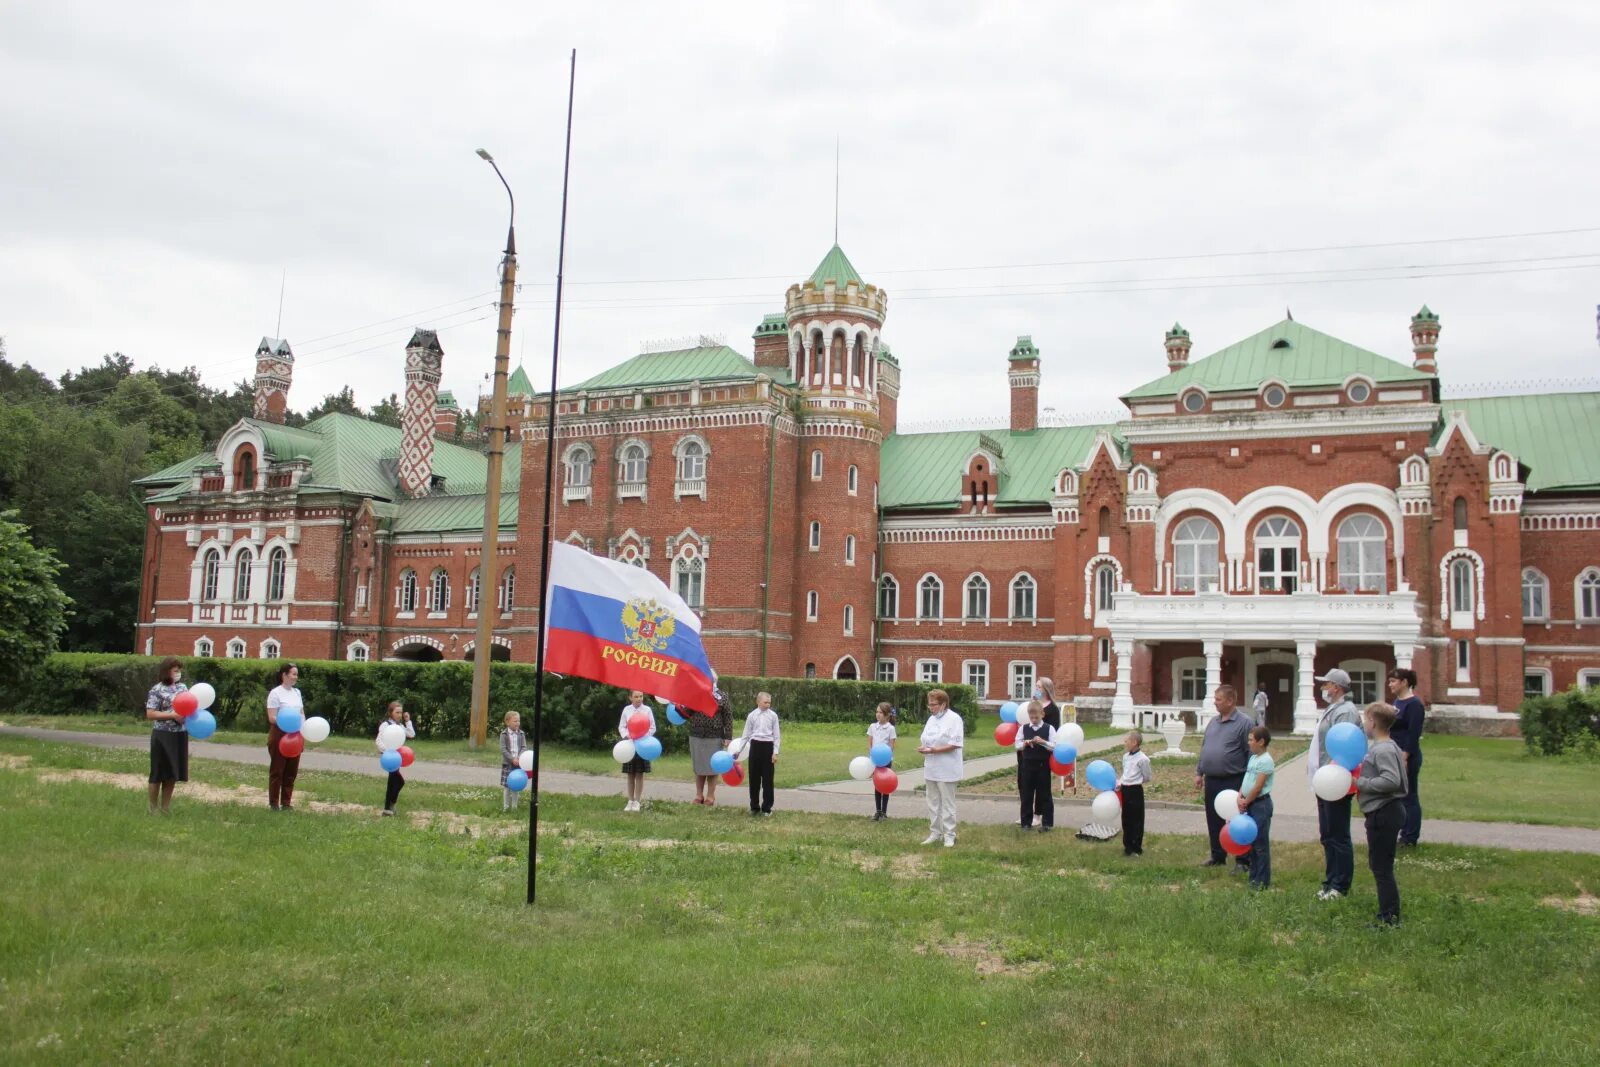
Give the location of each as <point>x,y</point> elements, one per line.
<point>1255,800</point>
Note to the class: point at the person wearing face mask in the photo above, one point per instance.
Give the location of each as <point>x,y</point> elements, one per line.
<point>1333,818</point>
<point>1045,693</point>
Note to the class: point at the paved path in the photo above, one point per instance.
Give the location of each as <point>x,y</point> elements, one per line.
<point>970,769</point>
<point>996,811</point>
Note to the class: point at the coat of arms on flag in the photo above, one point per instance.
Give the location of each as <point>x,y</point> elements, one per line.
<point>647,626</point>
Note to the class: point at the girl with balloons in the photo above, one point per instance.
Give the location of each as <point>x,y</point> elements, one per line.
<point>285,715</point>
<point>512,743</point>
<point>881,732</point>
<point>398,716</point>
<point>631,727</point>
<point>169,738</point>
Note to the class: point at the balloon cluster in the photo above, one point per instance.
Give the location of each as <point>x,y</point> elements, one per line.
<point>673,715</point>
<point>1107,805</point>
<point>1346,747</point>
<point>1005,734</point>
<point>191,705</point>
<point>875,765</point>
<point>1065,755</point>
<point>391,740</point>
<point>647,748</point>
<point>521,774</point>
<point>1239,830</point>
<point>724,764</point>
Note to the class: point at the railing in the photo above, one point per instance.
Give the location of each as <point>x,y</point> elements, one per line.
<point>211,483</point>
<point>283,480</point>
<point>274,612</point>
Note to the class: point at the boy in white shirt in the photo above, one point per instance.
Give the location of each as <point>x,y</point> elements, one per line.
<point>1036,739</point>
<point>763,739</point>
<point>1136,771</point>
<point>942,738</point>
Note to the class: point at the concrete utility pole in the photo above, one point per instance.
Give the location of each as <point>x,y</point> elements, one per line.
<point>488,573</point>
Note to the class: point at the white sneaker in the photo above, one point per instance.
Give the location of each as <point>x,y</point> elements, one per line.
<point>931,839</point>
<point>1329,894</point>
<point>630,806</point>
<point>949,842</point>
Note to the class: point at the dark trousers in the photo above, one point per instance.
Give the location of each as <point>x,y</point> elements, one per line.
<point>760,775</point>
<point>281,771</point>
<point>1260,854</point>
<point>1383,834</point>
<point>880,801</point>
<point>1216,783</point>
<point>1338,854</point>
<point>1033,786</point>
<point>392,794</point>
<point>1133,820</point>
<point>1411,829</point>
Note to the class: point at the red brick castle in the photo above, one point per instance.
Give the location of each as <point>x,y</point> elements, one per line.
<point>1287,504</point>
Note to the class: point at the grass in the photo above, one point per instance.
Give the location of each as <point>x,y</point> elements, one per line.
<point>224,933</point>
<point>1174,777</point>
<point>1491,779</point>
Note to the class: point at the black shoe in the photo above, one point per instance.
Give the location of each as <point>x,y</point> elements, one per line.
<point>274,807</point>
<point>1408,844</point>
<point>287,807</point>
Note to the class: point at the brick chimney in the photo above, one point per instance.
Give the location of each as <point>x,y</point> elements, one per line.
<point>424,360</point>
<point>1177,348</point>
<point>772,343</point>
<point>1023,376</point>
<point>1425,341</point>
<point>274,368</point>
<point>446,416</point>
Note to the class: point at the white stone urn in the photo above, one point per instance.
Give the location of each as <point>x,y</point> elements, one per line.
<point>1172,731</point>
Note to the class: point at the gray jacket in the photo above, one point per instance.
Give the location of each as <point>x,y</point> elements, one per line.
<point>1332,715</point>
<point>506,758</point>
<point>1383,777</point>
<point>1225,751</point>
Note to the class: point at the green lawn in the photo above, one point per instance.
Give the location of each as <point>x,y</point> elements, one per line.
<point>1496,780</point>
<point>224,933</point>
<point>1174,778</point>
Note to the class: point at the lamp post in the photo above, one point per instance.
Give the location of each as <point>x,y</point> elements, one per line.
<point>488,583</point>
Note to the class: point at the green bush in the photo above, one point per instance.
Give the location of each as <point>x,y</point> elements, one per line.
<point>1563,722</point>
<point>352,696</point>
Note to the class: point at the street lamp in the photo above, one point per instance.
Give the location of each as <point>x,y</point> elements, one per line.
<point>483,649</point>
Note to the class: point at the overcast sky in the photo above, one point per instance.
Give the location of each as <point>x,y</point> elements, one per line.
<point>1007,169</point>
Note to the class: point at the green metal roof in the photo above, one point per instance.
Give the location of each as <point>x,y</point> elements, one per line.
<point>924,469</point>
<point>1290,352</point>
<point>835,267</point>
<point>1555,435</point>
<point>181,471</point>
<point>771,324</point>
<point>704,364</point>
<point>1023,350</point>
<point>446,399</point>
<point>446,514</point>
<point>519,384</point>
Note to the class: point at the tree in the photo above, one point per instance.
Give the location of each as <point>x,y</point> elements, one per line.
<point>343,402</point>
<point>387,411</point>
<point>33,610</point>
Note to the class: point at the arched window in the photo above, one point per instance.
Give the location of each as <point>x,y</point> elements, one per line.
<point>850,549</point>
<point>405,595</point>
<point>508,590</point>
<point>888,597</point>
<point>1277,555</point>
<point>473,581</point>
<point>811,605</point>
<point>1194,549</point>
<point>1023,597</point>
<point>815,537</point>
<point>930,598</point>
<point>236,648</point>
<point>270,649</point>
<point>1461,585</point>
<point>1104,522</point>
<point>689,579</point>
<point>634,464</point>
<point>1458,513</point>
<point>816,465</point>
<point>1535,595</point>
<point>357,652</point>
<point>977,600</point>
<point>691,461</point>
<point>849,620</point>
<point>241,575</point>
<point>852,479</point>
<point>209,570</point>
<point>277,573</point>
<point>846,671</point>
<point>1361,555</point>
<point>580,467</point>
<point>1589,595</point>
<point>246,479</point>
<point>1105,586</point>
<point>438,590</point>
<point>202,648</point>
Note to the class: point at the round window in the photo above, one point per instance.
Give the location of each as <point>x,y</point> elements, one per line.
<point>1274,396</point>
<point>1359,391</point>
<point>1194,401</point>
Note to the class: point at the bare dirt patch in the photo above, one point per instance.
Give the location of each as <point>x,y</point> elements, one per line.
<point>9,762</point>
<point>910,865</point>
<point>984,958</point>
<point>866,861</point>
<point>1585,903</point>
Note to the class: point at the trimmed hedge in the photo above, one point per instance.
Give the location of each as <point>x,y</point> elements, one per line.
<point>352,696</point>
<point>1563,722</point>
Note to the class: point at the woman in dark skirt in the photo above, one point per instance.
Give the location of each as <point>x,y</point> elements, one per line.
<point>169,737</point>
<point>708,735</point>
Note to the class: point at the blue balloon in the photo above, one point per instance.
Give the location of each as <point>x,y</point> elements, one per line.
<point>881,755</point>
<point>517,780</point>
<point>202,724</point>
<point>721,762</point>
<point>1066,754</point>
<point>1008,711</point>
<point>672,715</point>
<point>1243,829</point>
<point>390,761</point>
<point>1347,745</point>
<point>647,748</point>
<point>1101,775</point>
<point>290,720</point>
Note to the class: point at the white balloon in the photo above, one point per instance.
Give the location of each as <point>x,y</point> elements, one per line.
<point>1070,734</point>
<point>525,761</point>
<point>391,736</point>
<point>622,751</point>
<point>1226,804</point>
<point>861,768</point>
<point>1106,807</point>
<point>316,729</point>
<point>204,694</point>
<point>1331,782</point>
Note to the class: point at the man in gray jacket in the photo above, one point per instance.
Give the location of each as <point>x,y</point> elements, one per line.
<point>1333,817</point>
<point>1223,755</point>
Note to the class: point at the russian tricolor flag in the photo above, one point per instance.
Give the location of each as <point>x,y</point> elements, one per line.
<point>621,625</point>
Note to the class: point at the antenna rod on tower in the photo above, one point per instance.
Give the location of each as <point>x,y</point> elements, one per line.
<point>277,331</point>
<point>835,188</point>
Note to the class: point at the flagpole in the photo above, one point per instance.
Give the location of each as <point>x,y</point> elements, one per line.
<point>549,486</point>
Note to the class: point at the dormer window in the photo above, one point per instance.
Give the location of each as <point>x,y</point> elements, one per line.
<point>1282,343</point>
<point>1359,392</point>
<point>1194,401</point>
<point>1274,396</point>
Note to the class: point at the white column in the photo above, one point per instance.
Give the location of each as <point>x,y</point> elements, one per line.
<point>1122,703</point>
<point>1213,651</point>
<point>1305,703</point>
<point>1402,656</point>
<point>1319,571</point>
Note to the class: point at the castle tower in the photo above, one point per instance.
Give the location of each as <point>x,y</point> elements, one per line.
<point>832,321</point>
<point>888,390</point>
<point>1177,348</point>
<point>274,368</point>
<point>446,416</point>
<point>1023,376</point>
<point>424,361</point>
<point>772,342</point>
<point>1425,341</point>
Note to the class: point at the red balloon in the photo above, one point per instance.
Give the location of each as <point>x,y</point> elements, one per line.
<point>735,776</point>
<point>185,704</point>
<point>1063,770</point>
<point>1006,734</point>
<point>291,745</point>
<point>1229,845</point>
<point>1354,775</point>
<point>885,781</point>
<point>407,757</point>
<point>1119,794</point>
<point>638,725</point>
